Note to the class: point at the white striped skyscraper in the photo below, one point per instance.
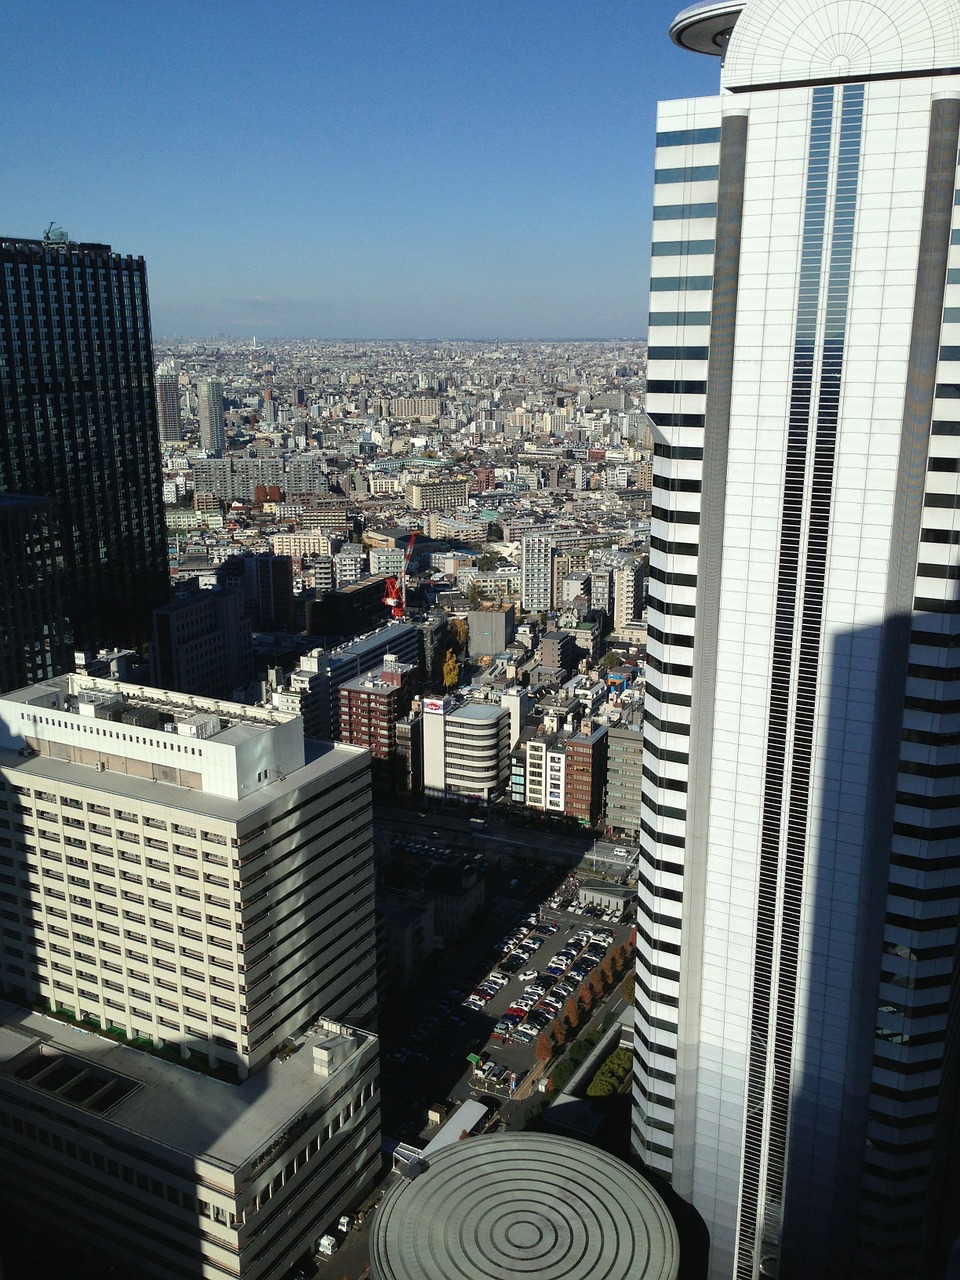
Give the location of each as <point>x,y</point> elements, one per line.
<point>795,1059</point>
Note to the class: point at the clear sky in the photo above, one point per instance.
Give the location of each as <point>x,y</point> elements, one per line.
<point>350,168</point>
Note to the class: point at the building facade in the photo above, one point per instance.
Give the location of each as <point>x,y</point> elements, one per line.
<point>168,405</point>
<point>170,1174</point>
<point>796,1067</point>
<point>187,871</point>
<point>35,634</point>
<point>370,708</point>
<point>466,749</point>
<point>80,425</point>
<point>210,412</point>
<point>202,642</point>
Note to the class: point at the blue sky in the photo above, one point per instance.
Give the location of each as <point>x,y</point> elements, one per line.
<point>350,168</point>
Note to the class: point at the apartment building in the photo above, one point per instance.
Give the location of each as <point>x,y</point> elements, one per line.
<point>437,495</point>
<point>187,871</point>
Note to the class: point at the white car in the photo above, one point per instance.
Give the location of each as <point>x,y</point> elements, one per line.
<point>528,976</point>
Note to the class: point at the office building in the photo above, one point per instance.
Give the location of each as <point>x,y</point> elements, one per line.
<point>166,1173</point>
<point>796,1050</point>
<point>80,425</point>
<point>210,412</point>
<point>190,872</point>
<point>35,639</point>
<point>466,748</point>
<point>202,642</point>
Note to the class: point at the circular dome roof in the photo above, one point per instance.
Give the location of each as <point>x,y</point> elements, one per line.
<point>524,1205</point>
<point>706,27</point>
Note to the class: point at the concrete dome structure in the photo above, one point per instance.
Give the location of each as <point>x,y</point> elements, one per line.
<point>524,1205</point>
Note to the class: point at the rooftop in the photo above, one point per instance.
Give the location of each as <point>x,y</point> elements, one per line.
<point>167,1104</point>
<point>524,1205</point>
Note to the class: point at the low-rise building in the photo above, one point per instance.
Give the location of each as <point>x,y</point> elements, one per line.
<point>172,1174</point>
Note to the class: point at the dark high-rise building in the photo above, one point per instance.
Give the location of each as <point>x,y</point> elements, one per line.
<point>34,633</point>
<point>80,424</point>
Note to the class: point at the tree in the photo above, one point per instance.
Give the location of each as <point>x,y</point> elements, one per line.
<point>610,659</point>
<point>628,987</point>
<point>585,996</point>
<point>606,969</point>
<point>494,532</point>
<point>451,670</point>
<point>259,495</point>
<point>473,595</point>
<point>489,560</point>
<point>571,1013</point>
<point>459,631</point>
<point>596,985</point>
<point>560,1032</point>
<point>544,1049</point>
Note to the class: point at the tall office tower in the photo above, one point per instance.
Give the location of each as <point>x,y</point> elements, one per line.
<point>189,871</point>
<point>34,633</point>
<point>168,403</point>
<point>210,400</point>
<point>796,1022</point>
<point>80,424</point>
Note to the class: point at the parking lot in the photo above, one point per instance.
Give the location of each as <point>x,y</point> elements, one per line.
<point>511,964</point>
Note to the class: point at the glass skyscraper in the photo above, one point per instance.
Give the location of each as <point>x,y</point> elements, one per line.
<point>79,423</point>
<point>797,1030</point>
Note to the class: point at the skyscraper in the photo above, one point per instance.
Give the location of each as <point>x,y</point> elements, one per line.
<point>80,424</point>
<point>168,403</point>
<point>796,1019</point>
<point>210,409</point>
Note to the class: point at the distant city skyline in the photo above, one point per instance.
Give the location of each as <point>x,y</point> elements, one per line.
<point>437,170</point>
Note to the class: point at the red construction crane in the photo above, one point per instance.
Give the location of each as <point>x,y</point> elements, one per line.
<point>395,589</point>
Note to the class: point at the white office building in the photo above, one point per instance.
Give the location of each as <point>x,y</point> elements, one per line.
<point>466,748</point>
<point>796,1059</point>
<point>186,871</point>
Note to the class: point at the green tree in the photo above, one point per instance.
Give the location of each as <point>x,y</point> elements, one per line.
<point>474,595</point>
<point>451,670</point>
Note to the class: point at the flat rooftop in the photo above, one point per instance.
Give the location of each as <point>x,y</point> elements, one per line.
<point>167,1104</point>
<point>321,758</point>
